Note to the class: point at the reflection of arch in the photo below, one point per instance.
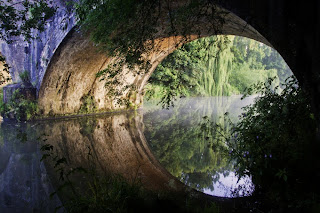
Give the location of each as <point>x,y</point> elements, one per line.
<point>70,79</point>
<point>117,146</point>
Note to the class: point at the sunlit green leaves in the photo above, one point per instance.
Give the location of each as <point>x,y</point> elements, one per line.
<point>212,66</point>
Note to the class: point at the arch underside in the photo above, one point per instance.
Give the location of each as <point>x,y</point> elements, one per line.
<point>70,85</point>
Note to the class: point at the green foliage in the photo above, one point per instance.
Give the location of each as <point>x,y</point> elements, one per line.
<point>252,64</point>
<point>120,28</point>
<point>24,76</point>
<point>243,77</point>
<point>212,66</point>
<point>185,144</point>
<point>273,60</point>
<point>191,71</point>
<point>128,30</point>
<point>88,104</point>
<point>19,108</point>
<point>274,143</point>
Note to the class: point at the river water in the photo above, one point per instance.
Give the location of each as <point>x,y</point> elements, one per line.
<point>165,149</point>
<point>176,139</point>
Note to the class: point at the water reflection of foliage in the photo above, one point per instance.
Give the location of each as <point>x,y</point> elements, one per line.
<point>185,143</point>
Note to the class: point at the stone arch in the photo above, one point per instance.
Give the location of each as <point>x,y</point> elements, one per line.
<point>70,85</point>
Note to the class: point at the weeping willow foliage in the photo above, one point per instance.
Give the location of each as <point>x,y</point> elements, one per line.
<point>215,66</point>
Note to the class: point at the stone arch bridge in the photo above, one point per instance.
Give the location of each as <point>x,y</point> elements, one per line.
<point>66,77</point>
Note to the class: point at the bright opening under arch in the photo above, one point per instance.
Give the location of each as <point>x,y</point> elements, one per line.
<point>211,79</point>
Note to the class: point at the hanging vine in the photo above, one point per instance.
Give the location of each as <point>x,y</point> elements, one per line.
<point>127,30</point>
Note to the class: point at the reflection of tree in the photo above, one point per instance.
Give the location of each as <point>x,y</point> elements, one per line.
<point>202,180</point>
<point>180,144</point>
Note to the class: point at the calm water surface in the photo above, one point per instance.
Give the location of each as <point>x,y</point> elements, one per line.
<point>180,145</point>
<point>161,147</point>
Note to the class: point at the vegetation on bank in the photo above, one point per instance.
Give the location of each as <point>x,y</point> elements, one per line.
<point>215,66</point>
<point>275,143</point>
<point>21,106</point>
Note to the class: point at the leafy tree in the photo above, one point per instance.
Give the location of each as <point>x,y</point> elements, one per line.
<point>201,67</point>
<point>274,61</point>
<point>274,143</point>
<point>212,66</point>
<point>19,107</point>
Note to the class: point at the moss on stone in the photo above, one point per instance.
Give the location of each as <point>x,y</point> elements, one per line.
<point>88,104</point>
<point>20,104</point>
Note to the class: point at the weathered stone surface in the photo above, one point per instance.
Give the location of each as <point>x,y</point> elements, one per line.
<point>71,78</point>
<point>35,56</point>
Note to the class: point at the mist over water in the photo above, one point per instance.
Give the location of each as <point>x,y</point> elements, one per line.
<point>175,138</point>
